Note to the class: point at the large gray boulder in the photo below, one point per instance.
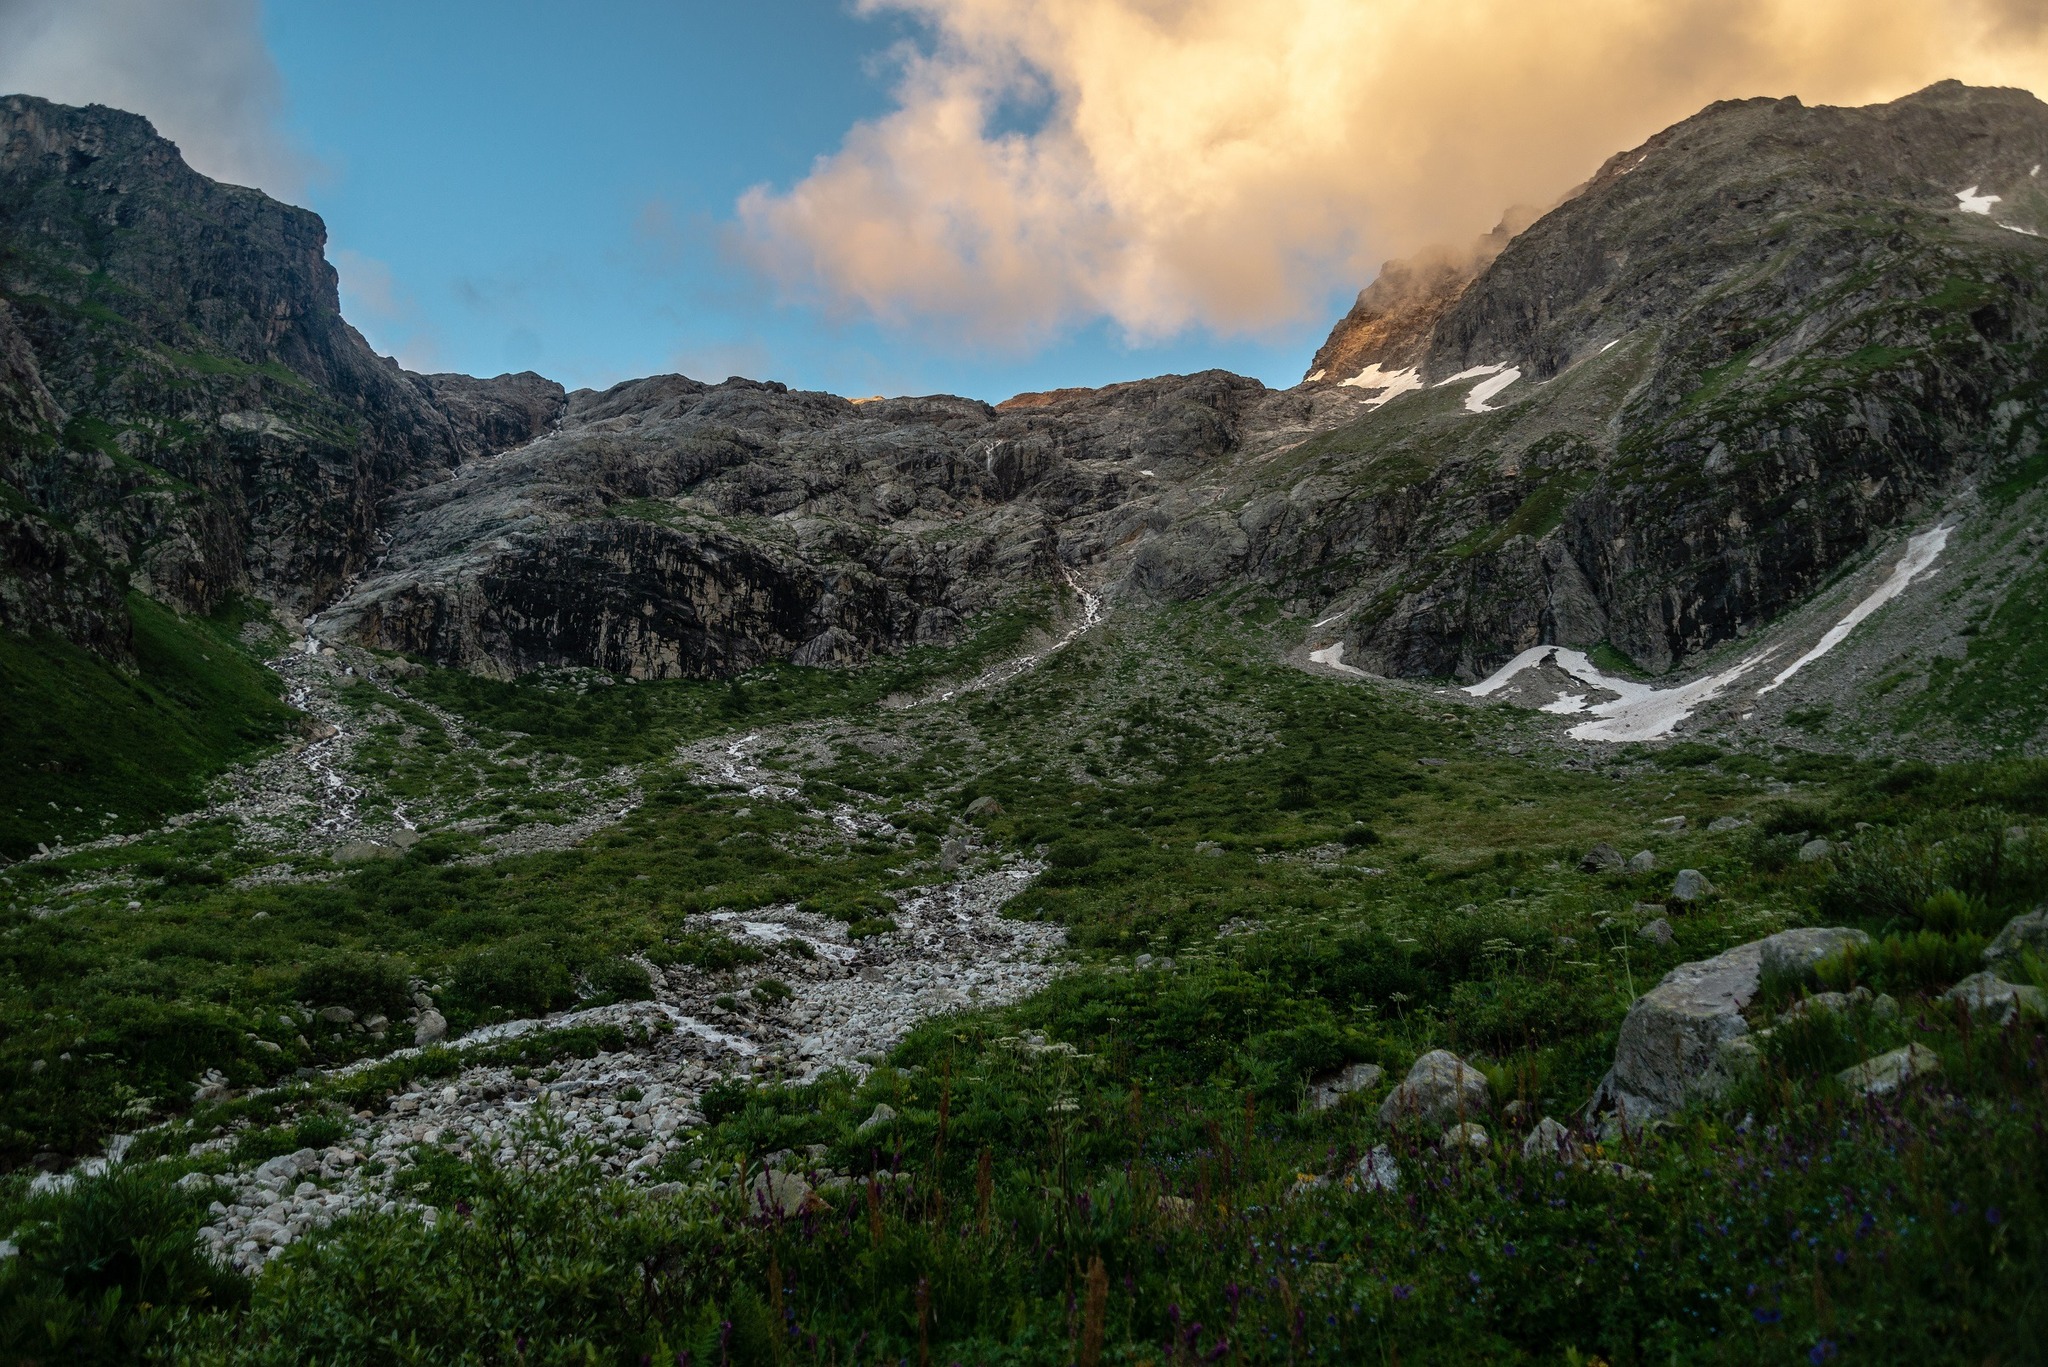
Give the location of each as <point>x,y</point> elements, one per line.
<point>1440,1089</point>
<point>1686,1036</point>
<point>1988,996</point>
<point>2025,934</point>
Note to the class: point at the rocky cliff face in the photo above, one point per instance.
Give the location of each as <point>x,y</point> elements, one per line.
<point>1658,416</point>
<point>201,419</point>
<point>1672,407</point>
<point>668,528</point>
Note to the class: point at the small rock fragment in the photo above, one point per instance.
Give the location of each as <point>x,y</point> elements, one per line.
<point>1657,932</point>
<point>1466,1136</point>
<point>1888,1072</point>
<point>1550,1140</point>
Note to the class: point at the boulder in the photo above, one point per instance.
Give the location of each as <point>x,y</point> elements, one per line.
<point>1601,858</point>
<point>1888,1072</point>
<point>1691,886</point>
<point>984,806</point>
<point>1378,1171</point>
<point>1832,1002</point>
<point>1721,825</point>
<point>2024,934</point>
<point>884,1115</point>
<point>336,1015</point>
<point>1685,1036</point>
<point>1328,1091</point>
<point>778,1193</point>
<point>1813,851</point>
<point>430,1028</point>
<point>1657,932</point>
<point>1988,995</point>
<point>1550,1140</point>
<point>1440,1088</point>
<point>1466,1136</point>
<point>1643,861</point>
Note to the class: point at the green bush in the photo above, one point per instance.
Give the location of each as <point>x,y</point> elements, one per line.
<point>708,950</point>
<point>521,979</point>
<point>362,982</point>
<point>105,1267</point>
<point>618,980</point>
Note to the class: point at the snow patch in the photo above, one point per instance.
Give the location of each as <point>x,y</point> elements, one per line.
<point>1974,203</point>
<point>1610,346</point>
<point>1317,376</point>
<point>1921,553</point>
<point>1390,383</point>
<point>1475,373</point>
<point>1333,656</point>
<point>2016,228</point>
<point>1476,401</point>
<point>1641,712</point>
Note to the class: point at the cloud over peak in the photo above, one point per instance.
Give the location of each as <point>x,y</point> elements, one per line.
<point>198,69</point>
<point>1219,163</point>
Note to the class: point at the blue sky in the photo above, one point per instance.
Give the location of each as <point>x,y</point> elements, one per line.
<point>513,186</point>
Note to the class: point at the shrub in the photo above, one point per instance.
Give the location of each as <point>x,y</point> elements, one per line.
<point>618,980</point>
<point>773,991</point>
<point>708,950</point>
<point>361,982</point>
<point>104,1266</point>
<point>524,980</point>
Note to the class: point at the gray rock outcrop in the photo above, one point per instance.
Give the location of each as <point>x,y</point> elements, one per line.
<point>1676,1040</point>
<point>2023,934</point>
<point>1990,997</point>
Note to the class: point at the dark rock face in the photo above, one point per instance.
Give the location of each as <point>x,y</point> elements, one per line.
<point>667,527</point>
<point>1739,354</point>
<point>1745,349</point>
<point>211,423</point>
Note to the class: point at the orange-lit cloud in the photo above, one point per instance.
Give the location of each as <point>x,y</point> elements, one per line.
<point>1222,162</point>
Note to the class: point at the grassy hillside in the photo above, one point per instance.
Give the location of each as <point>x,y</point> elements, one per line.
<point>1122,1168</point>
<point>88,749</point>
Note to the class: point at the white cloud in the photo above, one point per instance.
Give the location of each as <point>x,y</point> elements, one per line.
<point>1222,162</point>
<point>198,69</point>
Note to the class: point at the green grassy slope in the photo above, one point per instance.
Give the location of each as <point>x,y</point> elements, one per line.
<point>87,749</point>
<point>1338,872</point>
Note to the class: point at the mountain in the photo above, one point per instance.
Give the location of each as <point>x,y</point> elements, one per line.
<point>1655,419</point>
<point>1674,406</point>
<point>710,872</point>
<point>186,412</point>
